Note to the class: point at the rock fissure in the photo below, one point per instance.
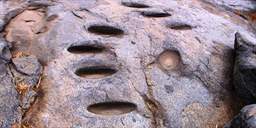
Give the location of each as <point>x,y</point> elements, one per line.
<point>158,119</point>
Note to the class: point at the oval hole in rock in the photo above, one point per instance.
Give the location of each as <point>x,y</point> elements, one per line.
<point>95,72</point>
<point>155,14</point>
<point>105,30</point>
<point>135,5</point>
<point>112,108</point>
<point>79,49</point>
<point>169,59</point>
<point>180,26</point>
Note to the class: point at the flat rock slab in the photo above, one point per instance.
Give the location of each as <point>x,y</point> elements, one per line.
<point>120,64</point>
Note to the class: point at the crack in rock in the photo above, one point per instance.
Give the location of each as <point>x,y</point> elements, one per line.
<point>152,104</point>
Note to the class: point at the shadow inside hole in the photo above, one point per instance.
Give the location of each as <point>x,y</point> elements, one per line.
<point>155,14</point>
<point>135,5</point>
<point>79,49</point>
<point>180,26</point>
<point>105,30</point>
<point>95,72</point>
<point>112,108</point>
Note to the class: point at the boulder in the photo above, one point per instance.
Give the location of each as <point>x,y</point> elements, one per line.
<point>245,119</point>
<point>244,76</point>
<point>118,64</point>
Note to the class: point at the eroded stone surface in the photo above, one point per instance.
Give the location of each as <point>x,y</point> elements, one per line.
<point>190,87</point>
<point>9,98</point>
<point>26,71</point>
<point>241,5</point>
<point>28,65</point>
<point>23,29</point>
<point>245,119</point>
<point>245,67</point>
<point>245,8</point>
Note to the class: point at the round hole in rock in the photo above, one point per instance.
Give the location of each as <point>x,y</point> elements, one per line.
<point>95,72</point>
<point>135,5</point>
<point>155,14</point>
<point>105,30</point>
<point>169,59</point>
<point>79,49</point>
<point>111,108</point>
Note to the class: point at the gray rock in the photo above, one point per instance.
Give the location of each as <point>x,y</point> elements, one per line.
<point>9,102</point>
<point>12,13</point>
<point>5,56</point>
<point>5,53</point>
<point>131,71</point>
<point>26,71</point>
<point>245,119</point>
<point>9,98</point>
<point>28,65</point>
<point>1,24</point>
<point>28,99</point>
<point>239,5</point>
<point>245,68</point>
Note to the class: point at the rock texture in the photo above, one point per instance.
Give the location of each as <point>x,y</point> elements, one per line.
<point>117,63</point>
<point>9,98</point>
<point>244,8</point>
<point>245,68</point>
<point>242,5</point>
<point>245,119</point>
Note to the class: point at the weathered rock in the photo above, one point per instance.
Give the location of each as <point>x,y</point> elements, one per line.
<point>238,5</point>
<point>23,29</point>
<point>9,98</point>
<point>245,119</point>
<point>27,74</point>
<point>10,9</point>
<point>244,8</point>
<point>5,56</point>
<point>9,102</point>
<point>245,68</point>
<point>28,65</point>
<point>166,93</point>
<point>123,64</point>
<point>1,25</point>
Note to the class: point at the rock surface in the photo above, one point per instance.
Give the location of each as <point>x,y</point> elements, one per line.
<point>238,5</point>
<point>244,8</point>
<point>245,68</point>
<point>120,64</point>
<point>9,98</point>
<point>245,119</point>
<point>27,65</point>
